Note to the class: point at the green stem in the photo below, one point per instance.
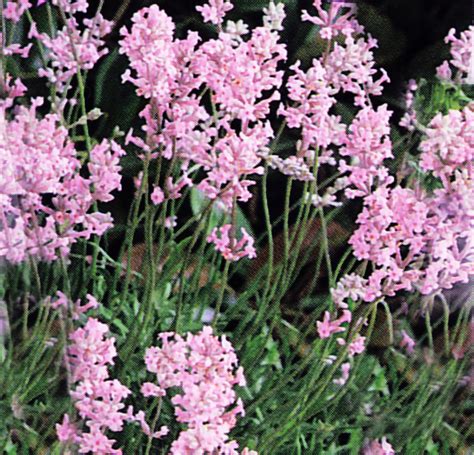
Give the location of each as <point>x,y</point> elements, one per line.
<point>221,294</point>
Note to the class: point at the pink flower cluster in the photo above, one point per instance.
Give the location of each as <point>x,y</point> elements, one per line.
<point>331,23</point>
<point>409,119</point>
<point>39,163</point>
<point>98,399</point>
<point>347,66</point>
<point>204,369</point>
<point>231,249</point>
<point>417,242</point>
<point>368,144</point>
<point>71,49</point>
<point>14,9</point>
<point>239,76</point>
<point>462,60</point>
<point>414,239</point>
<point>326,327</point>
<point>214,11</point>
<point>77,308</point>
<point>449,144</point>
<point>376,447</point>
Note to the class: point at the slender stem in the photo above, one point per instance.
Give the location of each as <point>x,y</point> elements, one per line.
<point>388,314</point>
<point>268,226</point>
<point>429,329</point>
<point>153,426</point>
<point>286,245</point>
<point>221,294</point>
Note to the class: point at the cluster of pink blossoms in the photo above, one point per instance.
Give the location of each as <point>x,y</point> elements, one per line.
<point>462,60</point>
<point>376,447</point>
<point>71,49</point>
<point>368,144</point>
<point>98,399</point>
<point>205,370</point>
<point>77,308</point>
<point>45,202</point>
<point>347,66</point>
<point>418,240</point>
<point>240,77</point>
<point>232,249</point>
<point>449,145</point>
<point>327,328</point>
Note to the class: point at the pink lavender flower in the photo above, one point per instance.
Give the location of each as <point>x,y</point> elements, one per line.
<point>368,144</point>
<point>274,15</point>
<point>417,241</point>
<point>11,89</point>
<point>14,9</point>
<point>449,144</point>
<point>149,389</point>
<point>231,249</point>
<point>214,11</point>
<point>72,50</point>
<point>409,119</point>
<point>357,346</point>
<point>157,196</point>
<point>345,370</point>
<point>461,56</point>
<point>407,342</point>
<point>104,169</point>
<point>204,369</point>
<point>66,431</point>
<point>98,399</point>
<point>349,287</point>
<point>149,47</point>
<point>69,6</point>
<point>377,447</point>
<point>326,327</point>
<point>313,97</point>
<point>331,22</point>
<point>38,159</point>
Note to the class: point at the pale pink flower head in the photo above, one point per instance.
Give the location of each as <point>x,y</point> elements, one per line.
<point>39,159</point>
<point>348,287</point>
<point>357,346</point>
<point>149,389</point>
<point>91,352</point>
<point>72,49</point>
<point>14,9</point>
<point>98,399</point>
<point>157,196</point>
<point>407,342</point>
<point>377,447</point>
<point>368,144</point>
<point>274,15</point>
<point>214,11</point>
<point>232,249</point>
<point>462,57</point>
<point>69,6</point>
<point>345,372</point>
<point>204,370</point>
<point>98,443</point>
<point>66,431</point>
<point>326,327</point>
<point>333,22</point>
<point>104,168</point>
<point>449,144</point>
<point>149,47</point>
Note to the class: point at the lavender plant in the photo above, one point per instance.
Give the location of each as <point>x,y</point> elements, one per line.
<point>183,340</point>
